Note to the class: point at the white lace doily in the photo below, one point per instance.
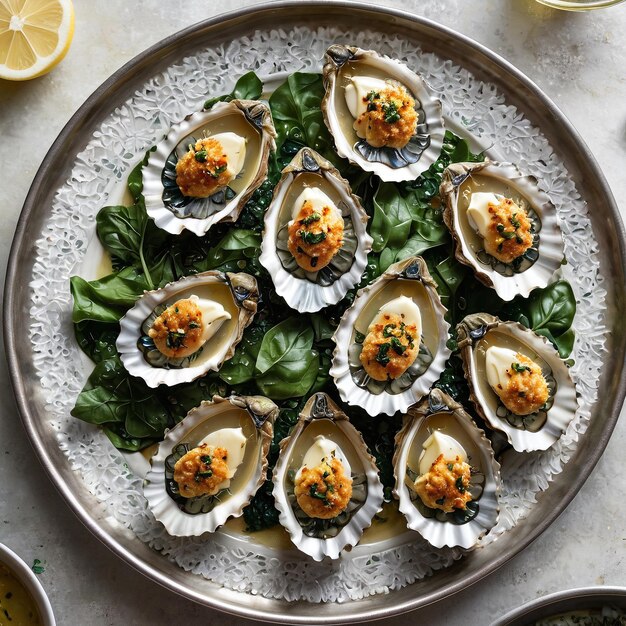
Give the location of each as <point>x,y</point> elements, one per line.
<point>62,247</point>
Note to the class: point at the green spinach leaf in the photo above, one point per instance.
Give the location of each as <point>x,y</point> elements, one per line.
<point>549,312</point>
<point>248,87</point>
<point>111,395</point>
<point>298,117</point>
<point>288,341</point>
<point>107,299</point>
<point>290,377</point>
<point>287,363</point>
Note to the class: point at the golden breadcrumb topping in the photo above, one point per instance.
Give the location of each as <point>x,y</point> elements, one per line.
<point>445,485</point>
<point>203,170</point>
<point>315,236</point>
<point>526,390</point>
<point>390,347</point>
<point>177,332</point>
<point>323,491</point>
<point>201,471</point>
<point>509,233</point>
<point>390,119</point>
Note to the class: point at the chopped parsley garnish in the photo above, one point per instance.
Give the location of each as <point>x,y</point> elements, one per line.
<point>504,233</point>
<point>371,96</point>
<point>519,368</point>
<point>387,330</point>
<point>459,484</point>
<point>201,156</point>
<point>450,466</point>
<point>311,238</point>
<point>175,339</point>
<point>219,170</point>
<point>390,109</point>
<point>382,356</point>
<point>193,325</point>
<point>206,459</point>
<point>314,217</point>
<point>515,221</point>
<point>314,493</point>
<point>397,346</point>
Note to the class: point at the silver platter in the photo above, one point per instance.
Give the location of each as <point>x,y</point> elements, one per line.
<point>486,66</point>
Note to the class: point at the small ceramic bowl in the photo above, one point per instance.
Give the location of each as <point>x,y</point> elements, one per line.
<point>584,599</point>
<point>27,578</point>
<point>579,5</point>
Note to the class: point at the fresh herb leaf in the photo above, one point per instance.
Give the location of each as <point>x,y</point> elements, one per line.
<point>296,110</point>
<point>248,87</point>
<point>311,238</point>
<point>382,357</point>
<point>314,217</point>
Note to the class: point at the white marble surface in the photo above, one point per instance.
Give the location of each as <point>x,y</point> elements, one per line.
<point>577,59</point>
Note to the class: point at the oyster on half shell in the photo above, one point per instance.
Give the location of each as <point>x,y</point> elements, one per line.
<point>245,132</point>
<point>392,298</point>
<point>438,431</point>
<point>224,305</point>
<point>406,137</point>
<point>310,178</point>
<point>526,431</point>
<point>467,186</point>
<point>239,428</point>
<point>326,484</point>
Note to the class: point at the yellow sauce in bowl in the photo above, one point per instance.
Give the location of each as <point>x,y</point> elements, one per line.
<point>17,607</point>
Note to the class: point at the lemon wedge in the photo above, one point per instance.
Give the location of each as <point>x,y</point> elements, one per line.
<point>34,36</point>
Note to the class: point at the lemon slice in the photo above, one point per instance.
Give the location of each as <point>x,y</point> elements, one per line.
<point>34,36</point>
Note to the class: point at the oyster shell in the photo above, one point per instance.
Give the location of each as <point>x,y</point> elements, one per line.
<point>463,527</point>
<point>237,294</point>
<point>165,203</point>
<point>535,267</point>
<point>185,517</point>
<point>538,430</point>
<point>303,290</point>
<point>342,63</point>
<point>406,278</point>
<point>326,537</point>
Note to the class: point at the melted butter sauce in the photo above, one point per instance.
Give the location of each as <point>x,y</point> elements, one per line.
<point>17,607</point>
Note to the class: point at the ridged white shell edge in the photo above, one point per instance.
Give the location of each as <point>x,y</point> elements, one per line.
<point>418,87</point>
<point>300,293</point>
<point>550,248</point>
<point>438,533</point>
<point>565,404</point>
<point>165,510</point>
<point>362,519</point>
<point>340,370</point>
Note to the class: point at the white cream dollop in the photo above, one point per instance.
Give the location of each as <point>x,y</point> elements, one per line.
<point>356,92</point>
<point>234,147</point>
<point>234,442</point>
<point>318,200</point>
<point>437,444</point>
<point>497,362</point>
<point>407,309</point>
<point>323,448</point>
<point>213,316</point>
<point>478,211</point>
